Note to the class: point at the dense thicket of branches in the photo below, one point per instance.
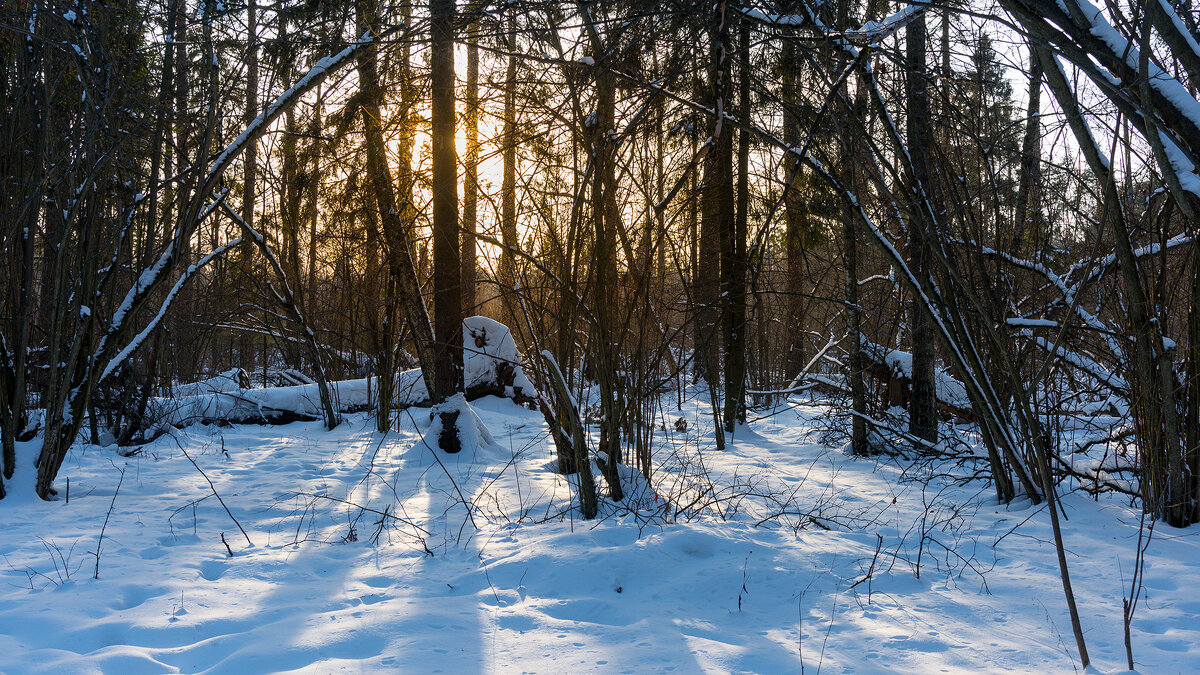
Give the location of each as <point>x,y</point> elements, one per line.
<point>987,214</point>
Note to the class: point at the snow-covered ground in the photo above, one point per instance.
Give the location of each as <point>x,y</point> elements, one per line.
<point>793,558</point>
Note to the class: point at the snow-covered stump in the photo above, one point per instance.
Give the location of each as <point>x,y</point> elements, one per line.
<point>492,363</point>
<point>467,432</point>
<point>491,367</point>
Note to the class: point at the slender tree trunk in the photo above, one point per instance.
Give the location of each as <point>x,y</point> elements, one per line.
<point>734,328</point>
<point>1191,421</point>
<point>508,187</point>
<point>1029,181</point>
<point>250,159</point>
<point>853,312</point>
<point>25,152</point>
<point>312,198</point>
<point>716,206</point>
<point>410,98</point>
<point>291,196</point>
<point>471,174</point>
<point>693,276</point>
<point>796,212</point>
<point>603,287</point>
<point>947,71</point>
<point>181,87</point>
<point>923,411</point>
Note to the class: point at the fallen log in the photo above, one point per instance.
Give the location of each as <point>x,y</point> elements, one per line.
<point>492,366</point>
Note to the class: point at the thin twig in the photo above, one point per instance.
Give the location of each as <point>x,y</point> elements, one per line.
<point>214,491</point>
<point>96,574</point>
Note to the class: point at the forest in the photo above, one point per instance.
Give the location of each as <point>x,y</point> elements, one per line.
<point>347,299</point>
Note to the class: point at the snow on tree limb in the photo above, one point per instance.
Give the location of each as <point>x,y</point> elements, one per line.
<point>138,339</point>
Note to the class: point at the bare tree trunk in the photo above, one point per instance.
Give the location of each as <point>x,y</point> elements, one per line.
<point>693,277</point>
<point>606,358</point>
<point>853,311</point>
<point>24,166</point>
<point>796,212</point>
<point>471,174</point>
<point>923,412</point>
<point>508,187</point>
<point>716,206</point>
<point>734,327</point>
<point>1191,423</point>
<point>380,311</point>
<point>447,259</point>
<point>573,433</point>
<point>250,159</point>
<point>1027,219</point>
<point>312,197</point>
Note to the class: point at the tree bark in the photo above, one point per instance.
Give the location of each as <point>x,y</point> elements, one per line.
<point>716,208</point>
<point>1029,181</point>
<point>795,211</point>
<point>508,187</point>
<point>855,362</point>
<point>447,259</point>
<point>923,410</point>
<point>734,324</point>
<point>471,174</point>
<point>605,350</point>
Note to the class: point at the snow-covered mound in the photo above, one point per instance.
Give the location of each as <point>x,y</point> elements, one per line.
<point>472,433</point>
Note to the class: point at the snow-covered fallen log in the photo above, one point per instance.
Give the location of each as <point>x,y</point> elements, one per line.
<point>232,380</point>
<point>491,367</point>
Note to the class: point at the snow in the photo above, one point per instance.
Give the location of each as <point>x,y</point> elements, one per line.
<point>1183,31</point>
<point>1185,170</point>
<point>877,31</point>
<point>810,559</point>
<point>473,435</point>
<point>1031,323</point>
<point>1080,361</point>
<point>1069,292</point>
<point>775,19</point>
<point>195,403</point>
